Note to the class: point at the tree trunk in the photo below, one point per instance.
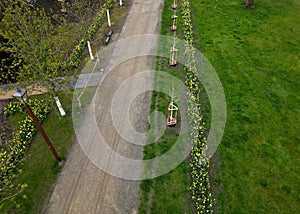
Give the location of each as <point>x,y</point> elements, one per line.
<point>250,3</point>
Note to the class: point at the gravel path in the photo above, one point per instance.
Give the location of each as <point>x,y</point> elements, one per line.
<point>82,187</point>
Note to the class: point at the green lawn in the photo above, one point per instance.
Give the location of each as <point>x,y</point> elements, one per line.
<point>256,53</point>
<point>39,169</point>
<point>168,193</point>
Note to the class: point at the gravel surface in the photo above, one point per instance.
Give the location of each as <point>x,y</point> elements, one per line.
<point>82,187</point>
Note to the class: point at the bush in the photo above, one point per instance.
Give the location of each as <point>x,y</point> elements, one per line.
<point>74,59</point>
<point>12,154</point>
<point>200,186</point>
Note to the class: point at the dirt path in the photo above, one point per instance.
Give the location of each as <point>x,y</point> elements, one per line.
<point>84,188</point>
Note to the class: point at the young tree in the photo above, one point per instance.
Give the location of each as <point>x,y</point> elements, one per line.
<point>34,39</point>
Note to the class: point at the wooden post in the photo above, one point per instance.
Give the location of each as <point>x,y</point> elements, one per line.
<point>174,19</point>
<point>174,6</point>
<point>63,6</point>
<point>173,56</point>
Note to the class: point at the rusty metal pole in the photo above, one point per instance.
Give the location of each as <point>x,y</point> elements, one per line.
<point>41,130</point>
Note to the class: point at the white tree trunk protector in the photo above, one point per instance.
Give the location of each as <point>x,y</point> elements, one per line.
<point>90,50</point>
<point>108,18</point>
<point>60,108</point>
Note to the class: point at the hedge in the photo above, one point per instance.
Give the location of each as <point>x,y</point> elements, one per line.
<point>200,185</point>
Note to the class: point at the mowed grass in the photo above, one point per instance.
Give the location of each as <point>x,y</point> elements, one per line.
<point>168,193</point>
<point>40,169</point>
<point>256,53</point>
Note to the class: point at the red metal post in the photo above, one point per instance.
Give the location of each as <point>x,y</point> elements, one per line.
<point>41,130</point>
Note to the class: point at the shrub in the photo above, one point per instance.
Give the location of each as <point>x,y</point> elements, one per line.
<point>200,186</point>
<point>74,58</point>
<point>12,154</point>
